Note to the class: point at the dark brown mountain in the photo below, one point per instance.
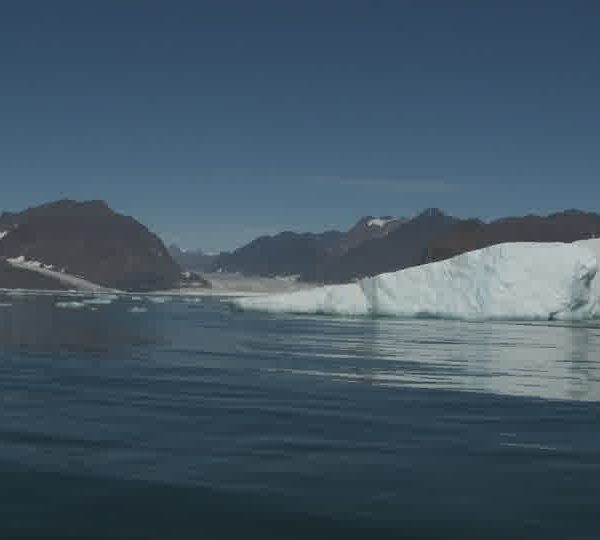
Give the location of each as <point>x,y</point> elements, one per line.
<point>400,248</point>
<point>17,278</point>
<point>468,235</point>
<point>372,246</point>
<point>304,254</point>
<point>286,253</point>
<point>366,229</point>
<point>89,240</point>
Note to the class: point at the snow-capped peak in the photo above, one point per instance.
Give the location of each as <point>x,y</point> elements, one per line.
<point>379,222</point>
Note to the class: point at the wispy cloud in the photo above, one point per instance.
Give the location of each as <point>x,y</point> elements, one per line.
<point>395,184</point>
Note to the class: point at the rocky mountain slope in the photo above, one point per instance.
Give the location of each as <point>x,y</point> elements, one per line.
<point>377,245</point>
<point>399,248</point>
<point>89,240</point>
<point>371,246</point>
<point>284,254</point>
<point>467,235</point>
<point>306,255</point>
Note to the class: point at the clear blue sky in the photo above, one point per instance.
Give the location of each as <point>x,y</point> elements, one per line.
<point>213,122</point>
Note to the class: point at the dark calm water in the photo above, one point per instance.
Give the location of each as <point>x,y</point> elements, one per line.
<point>190,420</point>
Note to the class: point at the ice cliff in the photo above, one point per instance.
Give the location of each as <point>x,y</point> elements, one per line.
<point>506,281</point>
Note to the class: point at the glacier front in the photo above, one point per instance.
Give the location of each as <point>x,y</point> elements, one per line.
<point>522,281</point>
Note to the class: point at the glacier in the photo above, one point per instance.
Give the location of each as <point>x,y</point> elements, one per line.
<point>515,281</point>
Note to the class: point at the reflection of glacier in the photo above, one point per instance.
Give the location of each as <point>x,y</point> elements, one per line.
<point>529,281</point>
<point>544,360</point>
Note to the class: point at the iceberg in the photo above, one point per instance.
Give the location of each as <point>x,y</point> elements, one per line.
<point>522,281</point>
<point>70,305</point>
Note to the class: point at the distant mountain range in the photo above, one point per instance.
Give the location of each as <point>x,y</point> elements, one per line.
<point>310,256</point>
<point>377,245</point>
<point>85,239</point>
<point>471,234</point>
<point>89,240</point>
<point>192,259</point>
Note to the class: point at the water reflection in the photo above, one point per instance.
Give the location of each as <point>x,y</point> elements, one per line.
<point>546,360</point>
<point>555,361</point>
<point>37,323</point>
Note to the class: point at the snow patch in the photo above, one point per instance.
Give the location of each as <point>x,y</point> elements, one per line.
<point>507,281</point>
<point>74,282</point>
<point>379,222</point>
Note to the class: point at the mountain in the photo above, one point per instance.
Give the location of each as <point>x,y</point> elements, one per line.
<point>367,228</point>
<point>192,259</point>
<point>89,240</point>
<point>310,256</point>
<point>401,247</point>
<point>284,254</point>
<point>18,278</point>
<point>467,235</point>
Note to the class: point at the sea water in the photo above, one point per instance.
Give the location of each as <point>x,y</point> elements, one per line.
<point>136,419</point>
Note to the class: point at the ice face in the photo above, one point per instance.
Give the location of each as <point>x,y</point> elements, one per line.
<point>507,281</point>
<point>593,245</point>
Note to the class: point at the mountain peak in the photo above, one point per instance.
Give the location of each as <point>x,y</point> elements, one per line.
<point>431,212</point>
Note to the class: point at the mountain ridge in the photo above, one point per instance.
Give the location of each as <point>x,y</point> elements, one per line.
<point>431,235</point>
<point>90,240</point>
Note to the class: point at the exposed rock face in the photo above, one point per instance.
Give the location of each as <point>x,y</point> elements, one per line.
<point>17,278</point>
<point>400,248</point>
<point>468,235</point>
<point>372,246</point>
<point>284,254</point>
<point>366,229</point>
<point>89,240</point>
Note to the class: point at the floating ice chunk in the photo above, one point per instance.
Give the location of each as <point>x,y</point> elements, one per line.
<point>192,299</point>
<point>506,281</point>
<point>158,299</point>
<point>16,292</point>
<point>102,300</point>
<point>138,309</point>
<point>346,299</point>
<point>70,305</point>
